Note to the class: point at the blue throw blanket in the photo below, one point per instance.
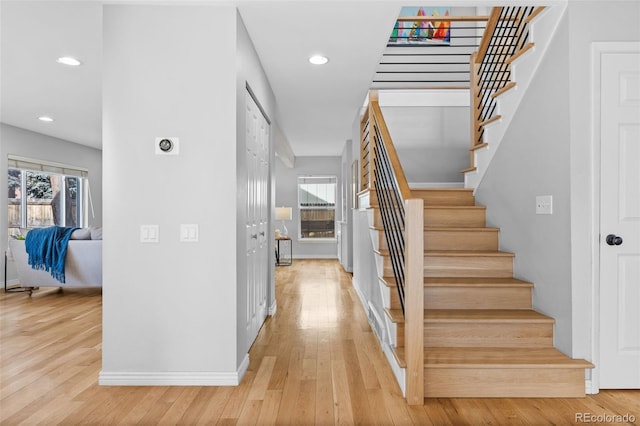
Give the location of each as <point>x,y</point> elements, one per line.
<point>47,249</point>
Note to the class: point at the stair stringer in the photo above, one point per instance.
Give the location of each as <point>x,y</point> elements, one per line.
<point>389,343</point>
<point>542,30</point>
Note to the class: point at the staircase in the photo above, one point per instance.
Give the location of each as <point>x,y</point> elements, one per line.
<point>458,322</point>
<point>481,336</point>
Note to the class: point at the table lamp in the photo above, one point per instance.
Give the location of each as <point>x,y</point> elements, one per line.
<point>283,213</point>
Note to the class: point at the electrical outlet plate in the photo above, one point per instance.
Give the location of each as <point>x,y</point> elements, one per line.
<point>149,233</point>
<point>189,233</point>
<point>544,204</point>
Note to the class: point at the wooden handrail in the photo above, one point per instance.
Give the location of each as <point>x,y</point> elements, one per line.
<point>403,226</point>
<point>505,38</point>
<point>405,192</point>
<point>488,32</point>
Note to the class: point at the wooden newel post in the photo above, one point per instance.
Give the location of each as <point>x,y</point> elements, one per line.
<point>414,301</point>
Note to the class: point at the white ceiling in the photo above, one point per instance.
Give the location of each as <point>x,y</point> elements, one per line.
<point>316,105</point>
<point>33,35</point>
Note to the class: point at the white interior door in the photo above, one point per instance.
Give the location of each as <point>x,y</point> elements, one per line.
<point>257,153</point>
<point>620,221</point>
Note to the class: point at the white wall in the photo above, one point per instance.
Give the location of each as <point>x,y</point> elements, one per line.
<point>584,17</point>
<point>432,141</point>
<point>169,309</point>
<point>365,275</point>
<point>24,143</point>
<point>287,195</point>
<point>250,72</point>
<point>552,153</point>
<point>533,160</point>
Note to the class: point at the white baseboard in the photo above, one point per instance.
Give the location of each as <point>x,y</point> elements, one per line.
<point>356,287</point>
<point>398,372</point>
<point>273,308</point>
<point>315,256</point>
<point>13,282</point>
<point>174,378</point>
<point>589,388</point>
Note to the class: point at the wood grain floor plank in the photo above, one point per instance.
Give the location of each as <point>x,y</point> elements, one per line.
<point>269,409</point>
<point>261,382</point>
<point>342,411</point>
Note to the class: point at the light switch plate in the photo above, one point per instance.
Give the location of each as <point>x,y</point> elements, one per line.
<point>189,233</point>
<point>149,233</point>
<point>544,204</point>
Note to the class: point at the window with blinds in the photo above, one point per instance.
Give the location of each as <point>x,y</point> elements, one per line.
<point>42,193</point>
<point>317,207</point>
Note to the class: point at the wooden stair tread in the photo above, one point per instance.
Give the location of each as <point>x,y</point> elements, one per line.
<point>461,229</point>
<point>465,282</point>
<point>395,315</point>
<point>474,316</point>
<point>457,253</point>
<point>441,189</point>
<point>485,316</point>
<point>468,253</point>
<point>478,146</point>
<point>474,282</point>
<point>500,358</point>
<point>398,354</point>
<point>476,207</point>
<point>490,120</point>
<point>447,229</point>
<point>436,207</point>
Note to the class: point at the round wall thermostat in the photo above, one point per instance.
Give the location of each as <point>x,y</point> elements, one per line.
<point>165,145</point>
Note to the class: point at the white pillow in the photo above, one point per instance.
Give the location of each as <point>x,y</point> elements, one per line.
<point>96,233</point>
<point>81,234</point>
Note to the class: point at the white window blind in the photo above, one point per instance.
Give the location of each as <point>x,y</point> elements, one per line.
<point>22,163</point>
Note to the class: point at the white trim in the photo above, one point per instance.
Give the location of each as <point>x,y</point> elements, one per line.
<point>597,50</point>
<point>175,378</point>
<point>315,256</point>
<point>363,300</point>
<point>588,387</point>
<point>273,308</point>
<point>12,282</point>
<point>398,372</point>
<point>309,240</point>
<point>44,165</point>
<point>424,98</point>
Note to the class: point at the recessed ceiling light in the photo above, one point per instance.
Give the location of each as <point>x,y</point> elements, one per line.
<point>68,60</point>
<point>45,118</point>
<point>318,60</point>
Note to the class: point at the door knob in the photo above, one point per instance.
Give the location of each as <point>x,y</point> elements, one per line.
<point>614,240</point>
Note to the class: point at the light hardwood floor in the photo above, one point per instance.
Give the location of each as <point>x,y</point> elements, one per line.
<point>315,362</point>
